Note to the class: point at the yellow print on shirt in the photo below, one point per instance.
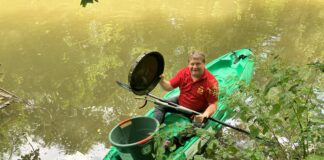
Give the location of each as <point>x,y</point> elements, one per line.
<point>200,90</point>
<point>213,91</point>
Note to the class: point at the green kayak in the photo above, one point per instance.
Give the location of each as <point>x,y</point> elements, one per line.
<point>231,70</point>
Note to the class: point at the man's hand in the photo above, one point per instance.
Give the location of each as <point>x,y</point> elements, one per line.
<point>165,84</point>
<point>162,76</point>
<point>200,118</point>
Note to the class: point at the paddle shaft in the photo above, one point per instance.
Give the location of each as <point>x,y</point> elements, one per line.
<point>189,111</point>
<point>182,109</point>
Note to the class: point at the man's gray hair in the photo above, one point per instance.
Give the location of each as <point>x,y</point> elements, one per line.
<point>195,54</point>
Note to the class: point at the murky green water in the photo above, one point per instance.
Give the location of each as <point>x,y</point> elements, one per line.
<point>65,59</point>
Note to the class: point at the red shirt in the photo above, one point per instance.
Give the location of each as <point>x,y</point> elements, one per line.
<point>196,95</point>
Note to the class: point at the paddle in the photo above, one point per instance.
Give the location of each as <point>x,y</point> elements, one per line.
<point>185,110</point>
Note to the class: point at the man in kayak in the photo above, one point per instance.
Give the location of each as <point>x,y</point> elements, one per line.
<point>198,89</point>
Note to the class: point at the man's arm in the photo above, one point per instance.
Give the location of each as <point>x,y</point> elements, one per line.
<point>212,98</point>
<point>210,110</point>
<point>166,85</point>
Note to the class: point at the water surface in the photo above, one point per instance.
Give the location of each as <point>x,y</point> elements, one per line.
<point>65,59</point>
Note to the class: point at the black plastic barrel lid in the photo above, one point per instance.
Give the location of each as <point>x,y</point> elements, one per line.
<point>145,72</point>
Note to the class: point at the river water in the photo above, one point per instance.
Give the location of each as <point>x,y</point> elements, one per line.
<point>65,59</point>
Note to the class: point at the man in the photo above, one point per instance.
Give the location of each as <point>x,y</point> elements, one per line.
<point>198,89</point>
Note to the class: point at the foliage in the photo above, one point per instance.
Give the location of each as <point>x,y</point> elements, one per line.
<point>161,152</point>
<point>318,65</point>
<point>12,129</point>
<point>33,155</point>
<point>85,2</point>
<point>284,109</point>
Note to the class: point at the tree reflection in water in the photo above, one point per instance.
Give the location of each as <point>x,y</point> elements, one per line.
<point>67,58</point>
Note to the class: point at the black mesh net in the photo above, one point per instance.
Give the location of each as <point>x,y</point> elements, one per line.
<point>145,73</point>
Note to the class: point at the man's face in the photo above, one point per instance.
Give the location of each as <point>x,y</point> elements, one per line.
<point>196,67</point>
